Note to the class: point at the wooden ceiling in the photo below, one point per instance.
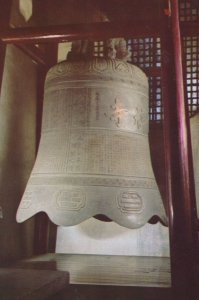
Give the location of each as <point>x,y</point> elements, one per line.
<point>69,11</point>
<point>131,9</point>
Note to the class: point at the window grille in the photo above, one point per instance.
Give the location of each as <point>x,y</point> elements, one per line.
<point>191,58</point>
<point>155,99</point>
<point>146,52</point>
<point>188,11</point>
<point>99,48</point>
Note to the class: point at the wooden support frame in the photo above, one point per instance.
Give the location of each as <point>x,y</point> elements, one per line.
<point>91,31</point>
<point>180,184</point>
<point>34,53</point>
<point>190,28</point>
<point>67,33</point>
<point>178,161</point>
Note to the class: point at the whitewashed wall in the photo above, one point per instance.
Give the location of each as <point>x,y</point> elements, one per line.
<point>96,237</point>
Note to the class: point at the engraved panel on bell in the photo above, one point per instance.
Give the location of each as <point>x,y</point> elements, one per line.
<point>129,202</point>
<point>70,200</point>
<point>52,159</point>
<point>57,111</point>
<point>109,152</point>
<point>94,155</point>
<point>90,108</point>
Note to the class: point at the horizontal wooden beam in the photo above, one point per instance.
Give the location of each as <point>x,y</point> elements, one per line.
<point>91,31</point>
<point>153,71</point>
<point>189,28</point>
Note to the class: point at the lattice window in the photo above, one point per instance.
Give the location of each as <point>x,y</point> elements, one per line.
<point>188,10</point>
<point>191,55</point>
<point>146,52</point>
<point>155,97</point>
<point>99,48</point>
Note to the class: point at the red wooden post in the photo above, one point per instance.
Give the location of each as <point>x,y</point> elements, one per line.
<point>180,184</point>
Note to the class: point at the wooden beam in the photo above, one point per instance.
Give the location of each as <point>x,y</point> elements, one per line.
<point>153,71</point>
<point>91,31</point>
<point>190,28</point>
<point>34,53</point>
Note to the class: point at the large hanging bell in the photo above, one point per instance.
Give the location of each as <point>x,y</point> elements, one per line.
<point>93,156</point>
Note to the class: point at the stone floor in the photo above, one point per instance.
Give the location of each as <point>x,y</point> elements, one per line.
<point>27,284</point>
<point>91,277</point>
<point>86,292</point>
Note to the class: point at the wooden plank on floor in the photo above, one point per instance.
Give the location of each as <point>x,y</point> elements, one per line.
<point>30,284</point>
<point>107,270</point>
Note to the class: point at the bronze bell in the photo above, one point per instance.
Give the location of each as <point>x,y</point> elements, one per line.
<point>94,156</point>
